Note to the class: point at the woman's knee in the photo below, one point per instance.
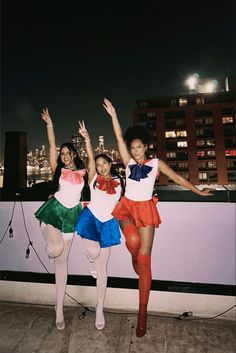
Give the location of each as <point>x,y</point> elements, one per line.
<point>55,250</point>
<point>132,237</point>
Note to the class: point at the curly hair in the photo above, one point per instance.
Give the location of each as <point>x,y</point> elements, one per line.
<point>137,132</point>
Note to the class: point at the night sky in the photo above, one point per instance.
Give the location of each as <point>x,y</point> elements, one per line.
<point>69,56</point>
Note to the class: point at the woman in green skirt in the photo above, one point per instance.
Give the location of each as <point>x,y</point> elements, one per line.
<point>58,214</point>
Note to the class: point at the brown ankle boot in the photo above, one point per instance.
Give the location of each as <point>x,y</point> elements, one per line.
<point>142,321</point>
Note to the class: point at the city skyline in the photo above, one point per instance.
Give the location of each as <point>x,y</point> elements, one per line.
<point>70,57</point>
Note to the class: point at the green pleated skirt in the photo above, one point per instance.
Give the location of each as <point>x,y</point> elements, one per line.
<point>54,213</point>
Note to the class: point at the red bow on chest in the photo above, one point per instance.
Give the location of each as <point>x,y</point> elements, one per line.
<point>72,176</point>
<point>106,185</point>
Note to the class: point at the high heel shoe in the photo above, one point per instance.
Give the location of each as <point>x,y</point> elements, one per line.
<point>142,321</point>
<point>100,319</point>
<point>60,325</point>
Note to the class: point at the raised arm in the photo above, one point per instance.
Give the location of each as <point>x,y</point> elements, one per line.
<point>91,162</point>
<point>124,153</point>
<point>51,139</point>
<point>178,179</point>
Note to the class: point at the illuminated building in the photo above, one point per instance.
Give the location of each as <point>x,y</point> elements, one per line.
<point>194,133</point>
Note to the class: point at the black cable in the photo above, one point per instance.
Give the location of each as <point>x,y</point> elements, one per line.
<point>212,317</point>
<point>9,224</point>
<point>28,252</point>
<point>180,317</point>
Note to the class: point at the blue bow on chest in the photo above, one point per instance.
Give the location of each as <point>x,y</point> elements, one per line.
<point>139,172</point>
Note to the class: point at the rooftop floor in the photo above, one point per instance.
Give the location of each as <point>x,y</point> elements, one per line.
<point>31,329</point>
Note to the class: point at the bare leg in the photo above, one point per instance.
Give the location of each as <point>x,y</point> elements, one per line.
<point>101,263</point>
<point>61,263</point>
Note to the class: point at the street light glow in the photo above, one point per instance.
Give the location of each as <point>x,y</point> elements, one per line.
<point>201,85</point>
<point>210,86</point>
<point>191,82</point>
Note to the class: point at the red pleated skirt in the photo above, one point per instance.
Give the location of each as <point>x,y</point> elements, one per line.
<point>141,213</point>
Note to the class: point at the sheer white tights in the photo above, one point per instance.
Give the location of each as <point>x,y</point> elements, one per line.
<point>98,257</point>
<point>58,247</point>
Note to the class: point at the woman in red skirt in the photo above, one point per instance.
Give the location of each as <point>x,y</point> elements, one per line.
<point>136,211</point>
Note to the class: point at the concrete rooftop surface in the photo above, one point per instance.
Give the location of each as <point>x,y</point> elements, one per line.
<point>26,328</point>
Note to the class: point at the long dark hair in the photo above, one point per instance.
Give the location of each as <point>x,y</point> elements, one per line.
<point>113,170</point>
<point>78,163</point>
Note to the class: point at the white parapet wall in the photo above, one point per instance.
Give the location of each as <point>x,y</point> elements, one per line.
<point>120,299</point>
<point>195,243</point>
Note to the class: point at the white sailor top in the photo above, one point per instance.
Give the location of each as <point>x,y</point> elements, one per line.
<point>71,184</point>
<point>102,202</point>
<point>140,180</point>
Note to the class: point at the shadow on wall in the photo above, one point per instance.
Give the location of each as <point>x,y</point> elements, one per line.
<point>37,192</point>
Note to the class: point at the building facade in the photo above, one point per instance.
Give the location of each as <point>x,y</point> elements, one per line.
<point>195,133</point>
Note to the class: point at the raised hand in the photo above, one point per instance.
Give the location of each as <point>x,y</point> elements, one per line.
<point>109,107</point>
<point>83,131</point>
<point>46,117</point>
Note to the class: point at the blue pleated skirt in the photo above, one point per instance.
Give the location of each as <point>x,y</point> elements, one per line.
<point>89,227</point>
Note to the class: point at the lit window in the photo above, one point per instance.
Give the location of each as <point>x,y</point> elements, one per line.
<point>201,154</point>
<point>211,153</point>
<point>230,153</point>
<point>199,132</point>
<point>227,120</point>
<point>143,104</point>
<point>200,100</point>
<point>182,102</point>
<point>180,122</point>
<point>211,165</point>
<point>199,121</point>
<point>182,144</point>
<point>208,121</point>
<point>202,176</point>
<point>151,115</point>
<point>200,142</point>
<point>183,165</point>
<point>171,155</point>
<point>172,165</point>
<point>170,134</point>
<point>185,176</point>
<point>202,165</point>
<point>181,133</point>
<point>210,142</point>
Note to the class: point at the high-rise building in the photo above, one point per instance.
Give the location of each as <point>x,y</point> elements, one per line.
<point>78,142</point>
<point>195,133</point>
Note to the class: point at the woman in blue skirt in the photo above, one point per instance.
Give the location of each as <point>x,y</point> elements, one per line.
<point>58,214</point>
<point>96,225</point>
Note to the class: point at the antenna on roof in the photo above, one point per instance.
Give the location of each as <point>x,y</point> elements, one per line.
<point>226,84</point>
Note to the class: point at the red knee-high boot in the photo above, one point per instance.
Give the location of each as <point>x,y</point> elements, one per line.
<point>133,243</point>
<point>145,278</point>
